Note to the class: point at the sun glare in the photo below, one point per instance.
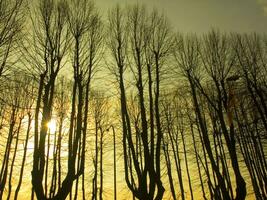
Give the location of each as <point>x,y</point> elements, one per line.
<point>52,125</point>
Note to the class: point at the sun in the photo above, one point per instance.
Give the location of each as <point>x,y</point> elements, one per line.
<point>52,126</point>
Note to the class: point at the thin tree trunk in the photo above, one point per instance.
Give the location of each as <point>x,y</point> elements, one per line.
<point>169,170</point>
<point>114,162</point>
<point>101,165</point>
<point>197,160</point>
<point>24,156</point>
<point>4,169</point>
<point>187,168</point>
<point>13,159</point>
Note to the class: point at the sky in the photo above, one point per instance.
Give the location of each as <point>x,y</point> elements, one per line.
<point>199,16</point>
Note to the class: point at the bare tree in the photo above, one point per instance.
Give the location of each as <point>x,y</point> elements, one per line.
<point>29,91</point>
<point>187,58</point>
<point>149,44</point>
<point>219,59</point>
<point>50,38</point>
<point>11,24</point>
<point>171,138</point>
<point>100,112</point>
<point>87,34</point>
<point>15,99</point>
<point>248,105</point>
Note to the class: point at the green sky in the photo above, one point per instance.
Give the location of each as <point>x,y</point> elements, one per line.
<point>200,15</point>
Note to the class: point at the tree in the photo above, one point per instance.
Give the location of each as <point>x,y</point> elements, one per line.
<point>148,45</point>
<point>29,91</point>
<point>87,34</point>
<point>51,42</point>
<point>11,24</point>
<point>187,58</point>
<point>218,60</point>
<point>248,105</point>
<point>16,107</point>
<point>100,115</point>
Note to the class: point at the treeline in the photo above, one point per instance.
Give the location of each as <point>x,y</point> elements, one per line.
<point>184,117</point>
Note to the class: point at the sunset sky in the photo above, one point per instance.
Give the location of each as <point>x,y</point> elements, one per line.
<point>200,16</point>
<point>133,105</point>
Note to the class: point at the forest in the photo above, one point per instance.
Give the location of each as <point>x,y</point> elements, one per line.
<point>122,106</point>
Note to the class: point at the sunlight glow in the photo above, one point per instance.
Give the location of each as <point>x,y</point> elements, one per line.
<point>52,126</point>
